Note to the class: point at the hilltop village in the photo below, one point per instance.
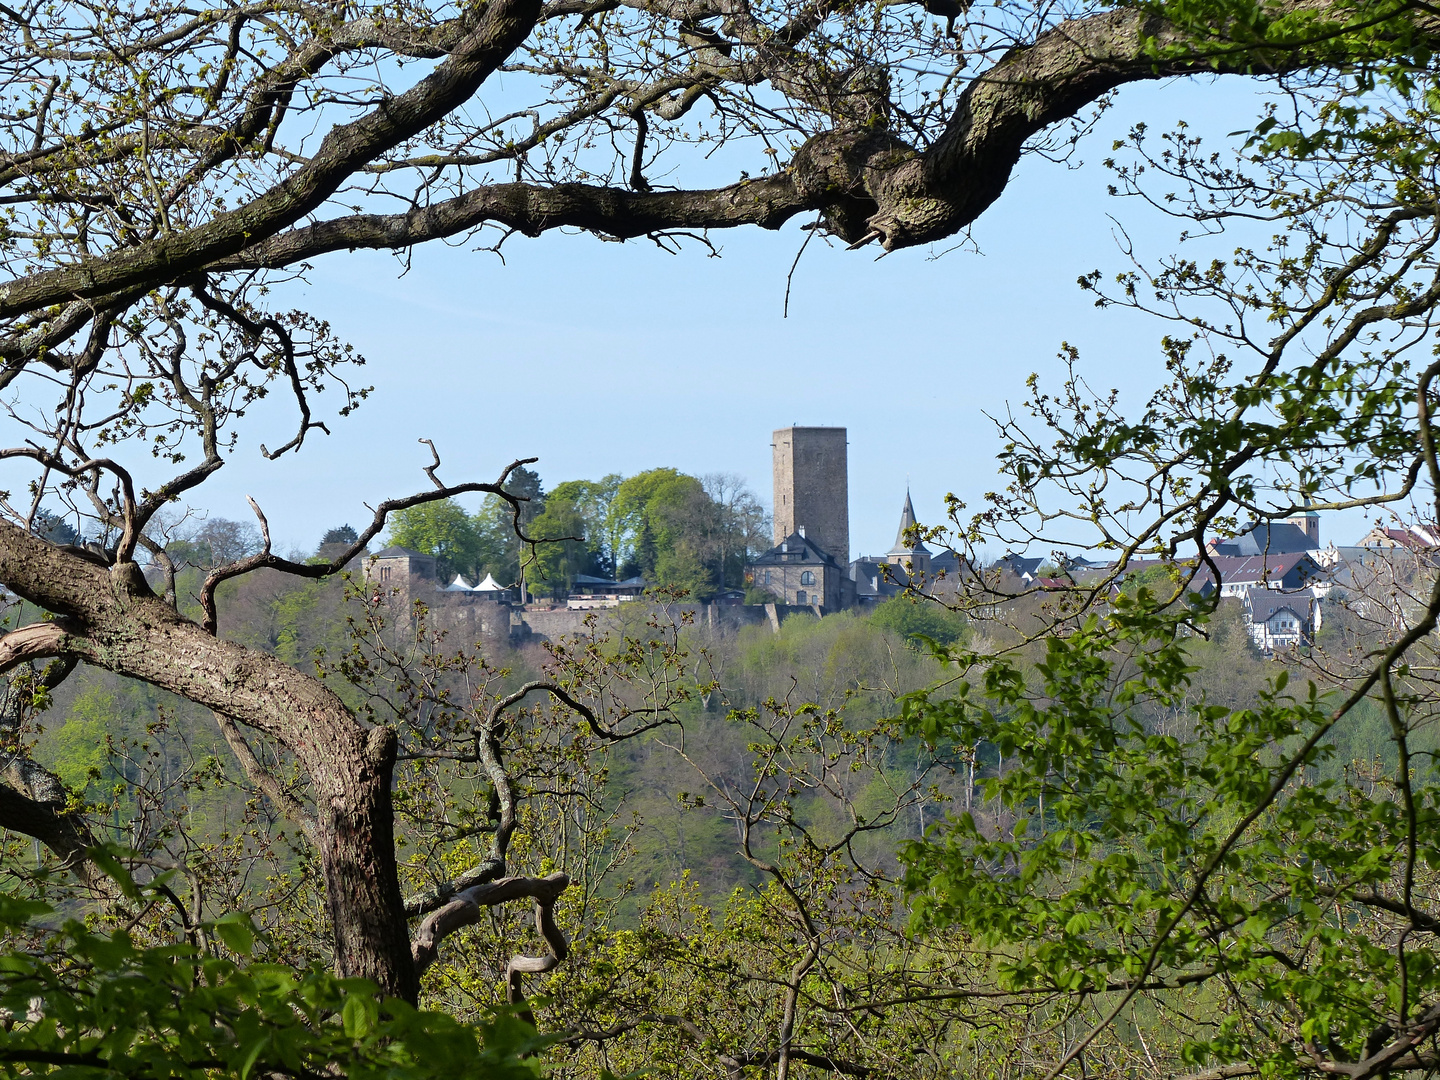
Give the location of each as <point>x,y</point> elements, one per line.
<point>1279,572</point>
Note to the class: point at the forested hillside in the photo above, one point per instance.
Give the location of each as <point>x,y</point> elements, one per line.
<point>777,782</point>
<point>267,820</point>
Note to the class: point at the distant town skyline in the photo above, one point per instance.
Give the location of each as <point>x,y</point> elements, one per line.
<point>686,361</point>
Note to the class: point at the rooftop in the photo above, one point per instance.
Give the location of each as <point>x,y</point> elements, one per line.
<point>1272,538</point>
<point>907,522</point>
<point>795,549</point>
<point>395,551</point>
<point>1264,604</point>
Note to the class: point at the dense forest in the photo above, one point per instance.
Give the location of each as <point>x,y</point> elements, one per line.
<point>101,734</point>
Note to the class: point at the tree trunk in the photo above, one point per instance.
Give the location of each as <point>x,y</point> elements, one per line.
<point>355,826</point>
<point>108,616</point>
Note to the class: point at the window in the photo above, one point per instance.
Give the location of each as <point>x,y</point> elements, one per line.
<point>807,578</point>
<point>385,573</point>
<point>800,597</point>
<point>767,577</point>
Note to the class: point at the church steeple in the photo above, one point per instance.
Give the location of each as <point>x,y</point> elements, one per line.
<point>916,553</point>
<point>907,521</point>
<point>1307,521</point>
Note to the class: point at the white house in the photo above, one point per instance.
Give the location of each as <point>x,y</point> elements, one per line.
<point>1281,620</point>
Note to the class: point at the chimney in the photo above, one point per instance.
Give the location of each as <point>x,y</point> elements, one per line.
<point>800,529</point>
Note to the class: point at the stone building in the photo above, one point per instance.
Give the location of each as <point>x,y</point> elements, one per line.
<point>812,488</point>
<point>1308,522</point>
<point>1289,537</point>
<point>1416,538</point>
<point>798,572</point>
<point>397,566</point>
<point>404,576</point>
<point>876,578</point>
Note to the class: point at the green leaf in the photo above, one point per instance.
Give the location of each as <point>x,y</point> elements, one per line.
<point>359,1015</point>
<point>236,932</point>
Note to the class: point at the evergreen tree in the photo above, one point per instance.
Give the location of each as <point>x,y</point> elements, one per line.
<point>344,534</point>
<point>54,528</point>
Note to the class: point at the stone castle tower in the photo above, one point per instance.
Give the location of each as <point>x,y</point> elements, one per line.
<point>812,488</point>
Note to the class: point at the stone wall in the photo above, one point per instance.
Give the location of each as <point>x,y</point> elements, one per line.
<point>467,618</point>
<point>469,621</point>
<point>555,623</point>
<point>560,622</point>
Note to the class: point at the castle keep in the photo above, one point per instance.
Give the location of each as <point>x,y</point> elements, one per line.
<point>812,488</point>
<point>810,564</point>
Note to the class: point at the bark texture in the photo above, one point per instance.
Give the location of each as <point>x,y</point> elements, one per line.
<point>34,802</point>
<point>109,617</point>
<point>173,241</point>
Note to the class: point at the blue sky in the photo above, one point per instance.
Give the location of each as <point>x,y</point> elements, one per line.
<point>601,357</point>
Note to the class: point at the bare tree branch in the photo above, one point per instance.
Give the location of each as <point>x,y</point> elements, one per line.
<point>465,910</point>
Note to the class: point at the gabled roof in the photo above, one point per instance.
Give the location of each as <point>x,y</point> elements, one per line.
<point>1236,570</point>
<point>1415,538</point>
<point>1079,562</point>
<point>795,549</point>
<point>395,551</point>
<point>1018,564</point>
<point>950,565</point>
<point>1239,571</point>
<point>1360,553</point>
<point>1401,537</point>
<point>1265,604</point>
<point>1267,538</point>
<point>947,562</point>
<point>877,577</point>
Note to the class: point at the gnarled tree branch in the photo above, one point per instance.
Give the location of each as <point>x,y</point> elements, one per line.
<point>465,909</point>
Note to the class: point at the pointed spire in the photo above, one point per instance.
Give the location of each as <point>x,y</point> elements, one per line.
<point>907,521</point>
